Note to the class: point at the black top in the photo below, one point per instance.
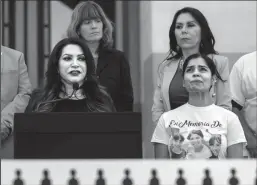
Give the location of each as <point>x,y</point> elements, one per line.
<point>113,72</point>
<point>177,93</point>
<point>71,106</point>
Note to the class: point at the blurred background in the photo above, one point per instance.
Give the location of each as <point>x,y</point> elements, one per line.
<point>141,31</point>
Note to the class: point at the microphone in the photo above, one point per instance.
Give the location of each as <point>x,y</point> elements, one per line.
<point>75,87</point>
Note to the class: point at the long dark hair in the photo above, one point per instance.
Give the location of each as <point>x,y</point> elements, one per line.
<point>207,38</point>
<point>209,62</point>
<point>97,99</point>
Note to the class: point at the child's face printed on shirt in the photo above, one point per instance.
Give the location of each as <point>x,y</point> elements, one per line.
<point>215,148</point>
<point>197,77</point>
<point>176,143</point>
<point>196,140</point>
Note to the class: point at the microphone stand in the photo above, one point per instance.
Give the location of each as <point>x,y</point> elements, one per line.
<point>75,88</point>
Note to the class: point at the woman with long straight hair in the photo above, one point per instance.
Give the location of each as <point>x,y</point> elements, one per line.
<point>71,63</point>
<point>189,34</point>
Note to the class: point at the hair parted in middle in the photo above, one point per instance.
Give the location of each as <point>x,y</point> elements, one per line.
<point>89,10</point>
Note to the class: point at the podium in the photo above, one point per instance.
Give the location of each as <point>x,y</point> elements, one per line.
<point>78,135</point>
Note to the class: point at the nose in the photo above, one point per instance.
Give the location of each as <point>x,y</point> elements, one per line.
<point>93,24</point>
<point>74,63</point>
<point>184,29</point>
<point>196,73</point>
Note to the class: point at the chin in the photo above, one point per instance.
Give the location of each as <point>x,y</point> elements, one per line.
<point>187,46</point>
<point>95,39</point>
<point>76,80</point>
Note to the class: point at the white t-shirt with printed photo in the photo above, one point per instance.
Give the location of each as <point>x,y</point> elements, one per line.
<point>206,131</point>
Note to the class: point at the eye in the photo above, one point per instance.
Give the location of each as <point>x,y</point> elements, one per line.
<point>98,20</point>
<point>178,27</point>
<point>203,69</point>
<point>66,58</point>
<point>190,25</point>
<point>81,58</point>
<point>86,22</point>
<point>189,69</point>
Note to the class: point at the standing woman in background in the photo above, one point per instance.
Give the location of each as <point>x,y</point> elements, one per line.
<point>189,34</point>
<point>90,23</point>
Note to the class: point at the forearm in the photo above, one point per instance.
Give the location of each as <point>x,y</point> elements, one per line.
<point>161,151</point>
<point>235,151</point>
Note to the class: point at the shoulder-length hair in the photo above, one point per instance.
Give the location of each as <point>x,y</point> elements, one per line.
<point>207,38</point>
<point>86,11</point>
<point>96,97</point>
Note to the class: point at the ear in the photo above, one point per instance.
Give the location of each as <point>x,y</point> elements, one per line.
<point>214,79</point>
<point>183,83</point>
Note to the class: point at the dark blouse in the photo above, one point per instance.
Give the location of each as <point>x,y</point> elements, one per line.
<point>177,93</point>
<point>71,106</point>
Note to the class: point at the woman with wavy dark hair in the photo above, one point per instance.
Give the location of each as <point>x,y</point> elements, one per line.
<point>71,63</point>
<point>91,24</point>
<point>189,34</point>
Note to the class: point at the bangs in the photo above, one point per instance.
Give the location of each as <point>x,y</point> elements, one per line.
<point>90,12</point>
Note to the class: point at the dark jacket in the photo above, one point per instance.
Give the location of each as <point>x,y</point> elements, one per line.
<point>113,72</point>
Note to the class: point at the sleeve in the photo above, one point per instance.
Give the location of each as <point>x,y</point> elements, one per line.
<point>127,96</point>
<point>236,85</point>
<point>158,107</point>
<point>19,103</point>
<point>223,90</point>
<point>235,133</point>
<point>160,134</point>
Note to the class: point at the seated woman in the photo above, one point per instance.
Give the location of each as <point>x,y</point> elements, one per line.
<point>199,117</point>
<point>71,79</point>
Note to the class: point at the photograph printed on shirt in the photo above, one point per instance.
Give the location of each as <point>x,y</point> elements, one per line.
<point>196,142</point>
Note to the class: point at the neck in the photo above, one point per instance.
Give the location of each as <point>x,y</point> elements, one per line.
<point>200,99</point>
<point>188,52</point>
<point>93,46</point>
<point>68,89</point>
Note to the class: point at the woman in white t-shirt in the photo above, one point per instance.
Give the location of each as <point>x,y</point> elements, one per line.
<point>210,131</point>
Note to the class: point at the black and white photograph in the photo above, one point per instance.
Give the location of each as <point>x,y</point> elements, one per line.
<point>146,81</point>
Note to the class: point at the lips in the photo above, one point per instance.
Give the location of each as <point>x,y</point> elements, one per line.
<point>75,72</point>
<point>196,81</point>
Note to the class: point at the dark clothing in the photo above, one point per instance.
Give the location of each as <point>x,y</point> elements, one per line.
<point>177,93</point>
<point>71,106</point>
<point>113,71</point>
<point>182,155</point>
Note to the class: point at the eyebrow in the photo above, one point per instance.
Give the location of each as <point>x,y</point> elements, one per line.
<point>72,55</point>
<point>198,65</point>
<point>187,22</point>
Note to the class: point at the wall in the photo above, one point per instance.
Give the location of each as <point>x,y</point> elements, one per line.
<point>60,19</point>
<point>233,25</point>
